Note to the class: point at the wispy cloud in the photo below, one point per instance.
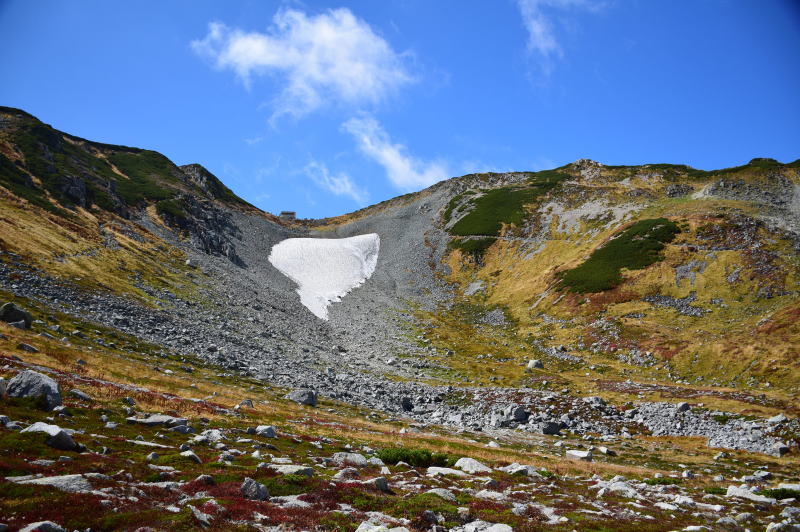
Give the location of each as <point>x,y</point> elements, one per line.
<point>339,184</point>
<point>538,21</point>
<point>403,170</point>
<point>333,57</point>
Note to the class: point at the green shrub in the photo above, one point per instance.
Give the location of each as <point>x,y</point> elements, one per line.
<point>147,171</point>
<point>635,248</point>
<point>502,205</point>
<point>415,457</point>
<point>781,493</point>
<point>662,481</point>
<point>19,184</point>
<point>451,205</point>
<point>172,208</point>
<point>715,490</point>
<point>283,485</point>
<point>492,210</point>
<point>474,246</point>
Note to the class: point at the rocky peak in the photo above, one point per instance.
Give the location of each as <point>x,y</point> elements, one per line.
<point>204,179</point>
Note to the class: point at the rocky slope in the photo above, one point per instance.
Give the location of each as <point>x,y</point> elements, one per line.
<point>632,307</point>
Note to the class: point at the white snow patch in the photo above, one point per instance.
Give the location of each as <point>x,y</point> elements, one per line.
<point>326,269</point>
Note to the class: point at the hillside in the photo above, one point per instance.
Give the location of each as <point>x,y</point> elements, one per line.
<point>616,347</point>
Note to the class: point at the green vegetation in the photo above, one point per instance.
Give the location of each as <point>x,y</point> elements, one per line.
<point>415,457</point>
<point>173,209</point>
<point>715,490</point>
<point>721,418</point>
<point>451,205</point>
<point>662,481</point>
<point>473,246</point>
<point>147,171</point>
<point>502,205</point>
<point>780,493</point>
<point>492,210</point>
<point>548,178</point>
<point>20,184</point>
<point>283,485</point>
<point>635,248</point>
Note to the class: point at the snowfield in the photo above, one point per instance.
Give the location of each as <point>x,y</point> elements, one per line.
<point>326,269</point>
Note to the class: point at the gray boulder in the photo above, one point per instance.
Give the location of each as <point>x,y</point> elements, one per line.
<point>29,383</point>
<point>267,431</point>
<point>28,348</point>
<point>550,428</point>
<point>353,459</point>
<point>535,364</point>
<point>253,490</point>
<point>406,404</point>
<point>157,419</point>
<point>58,437</point>
<point>68,483</point>
<point>43,526</point>
<point>10,313</point>
<point>304,397</point>
<point>78,394</point>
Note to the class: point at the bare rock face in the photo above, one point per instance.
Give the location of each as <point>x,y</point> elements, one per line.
<point>29,383</point>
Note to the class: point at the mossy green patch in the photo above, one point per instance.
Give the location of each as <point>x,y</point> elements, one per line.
<point>662,481</point>
<point>635,248</point>
<point>781,493</point>
<point>147,171</point>
<point>504,205</point>
<point>475,247</point>
<point>415,457</point>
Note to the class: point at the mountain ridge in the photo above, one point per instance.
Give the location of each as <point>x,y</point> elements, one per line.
<point>605,325</point>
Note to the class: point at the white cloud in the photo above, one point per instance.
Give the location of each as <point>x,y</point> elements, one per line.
<point>340,184</point>
<point>541,36</point>
<point>332,57</point>
<point>403,170</point>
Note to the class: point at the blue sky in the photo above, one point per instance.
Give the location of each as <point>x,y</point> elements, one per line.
<point>326,107</point>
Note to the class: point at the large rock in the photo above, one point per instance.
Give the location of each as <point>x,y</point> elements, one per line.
<point>291,469</point>
<point>443,493</point>
<point>575,454</point>
<point>744,493</point>
<point>304,397</point>
<point>482,526</point>
<point>29,383</point>
<point>379,483</point>
<point>58,437</point>
<point>255,491</point>
<point>68,483</point>
<point>550,428</point>
<point>10,313</point>
<point>43,526</point>
<point>472,466</point>
<point>352,459</point>
<point>535,364</point>
<point>444,471</point>
<point>368,526</point>
<point>519,469</point>
<point>191,455</point>
<point>267,431</point>
<point>157,419</point>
